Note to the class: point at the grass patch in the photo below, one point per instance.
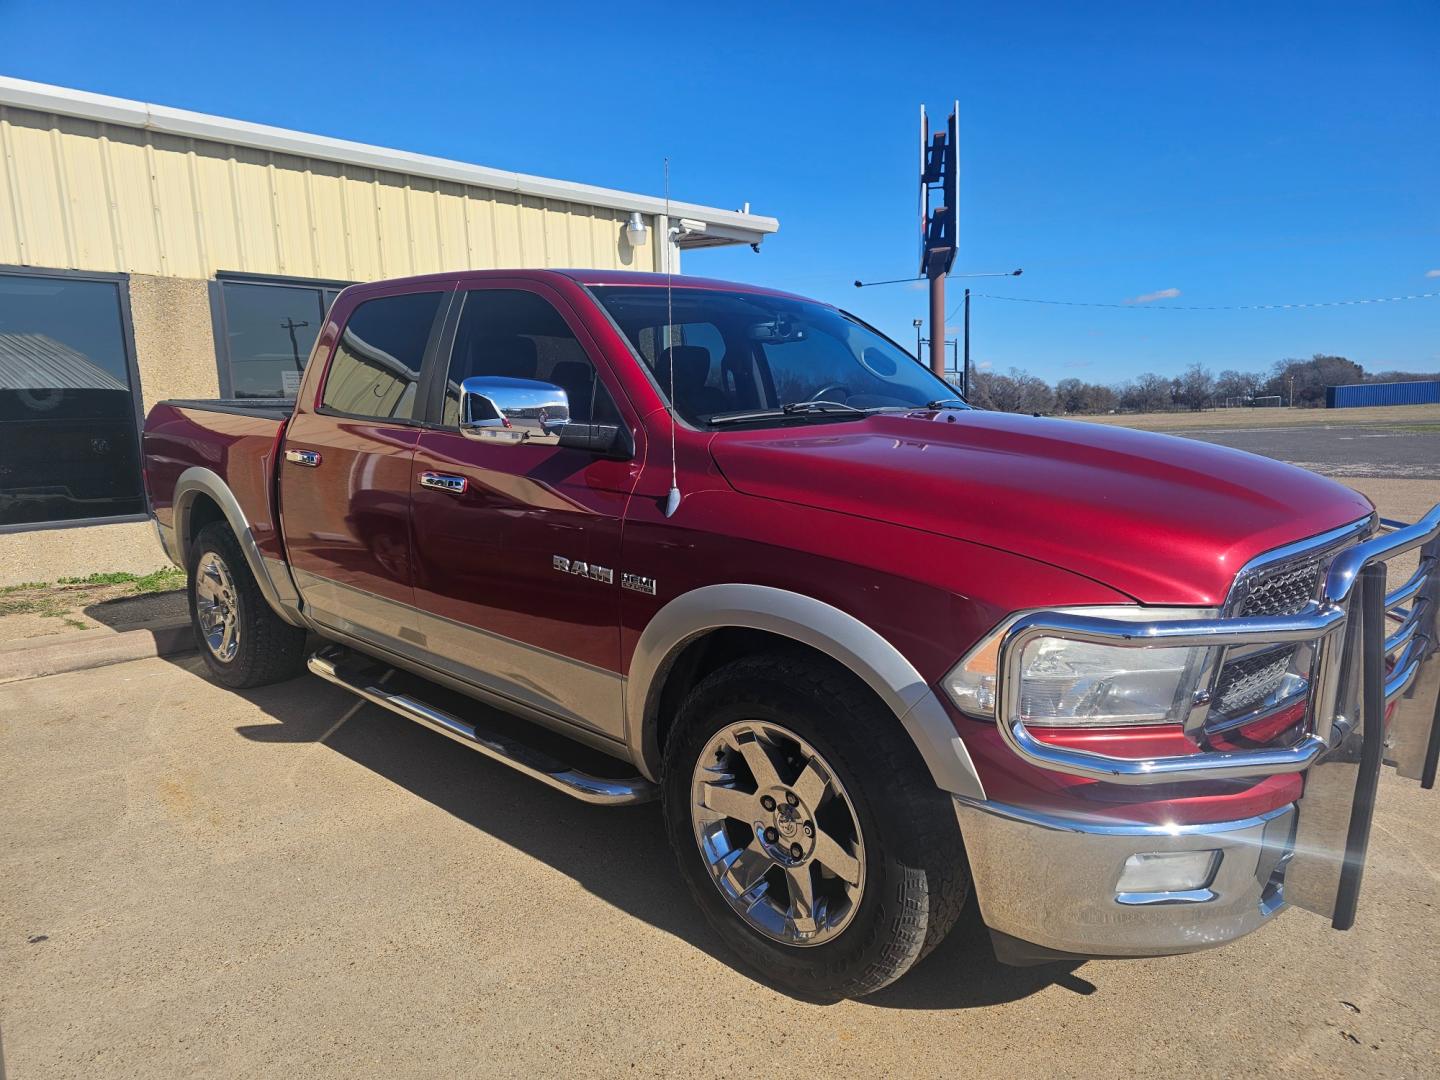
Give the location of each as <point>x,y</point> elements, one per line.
<point>171,577</point>
<point>33,605</point>
<point>63,599</point>
<point>22,587</point>
<point>115,577</point>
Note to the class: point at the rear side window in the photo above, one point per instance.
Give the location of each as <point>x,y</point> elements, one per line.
<point>376,369</point>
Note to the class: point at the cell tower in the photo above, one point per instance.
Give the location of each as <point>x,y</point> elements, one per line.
<point>939,220</point>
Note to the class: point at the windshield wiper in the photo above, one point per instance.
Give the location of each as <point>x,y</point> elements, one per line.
<point>796,408</point>
<point>948,403</point>
<point>792,410</point>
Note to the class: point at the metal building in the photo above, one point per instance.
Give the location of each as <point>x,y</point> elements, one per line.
<point>1358,395</point>
<point>149,252</point>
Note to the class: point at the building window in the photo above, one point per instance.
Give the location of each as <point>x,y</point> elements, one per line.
<point>375,372</point>
<point>264,332</point>
<point>69,423</point>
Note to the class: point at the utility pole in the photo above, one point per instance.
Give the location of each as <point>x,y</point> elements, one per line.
<point>937,323</point>
<point>965,372</point>
<point>939,220</point>
<point>918,323</point>
<point>291,325</point>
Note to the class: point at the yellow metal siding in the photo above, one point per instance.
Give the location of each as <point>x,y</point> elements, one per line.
<point>85,195</point>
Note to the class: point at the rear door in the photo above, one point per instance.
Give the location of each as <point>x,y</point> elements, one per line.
<point>345,473</point>
<point>516,561</point>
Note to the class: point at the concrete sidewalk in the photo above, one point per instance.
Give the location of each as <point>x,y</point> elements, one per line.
<point>146,626</point>
<point>85,649</point>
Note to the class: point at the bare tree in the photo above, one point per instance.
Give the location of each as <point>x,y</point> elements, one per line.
<point>1018,391</point>
<point>1196,388</point>
<point>1078,396</point>
<point>1241,385</point>
<point>1070,396</point>
<point>1146,393</point>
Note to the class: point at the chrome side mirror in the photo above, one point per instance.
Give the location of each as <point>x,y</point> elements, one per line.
<point>501,410</point>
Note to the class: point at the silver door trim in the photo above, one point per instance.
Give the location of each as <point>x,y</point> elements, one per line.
<point>571,690</point>
<point>335,605</point>
<point>411,662</point>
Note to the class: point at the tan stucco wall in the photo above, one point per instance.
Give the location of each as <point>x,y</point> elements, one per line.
<point>174,338</point>
<point>49,554</point>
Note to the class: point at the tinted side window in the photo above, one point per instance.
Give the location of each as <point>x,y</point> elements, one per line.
<point>376,369</point>
<point>519,335</point>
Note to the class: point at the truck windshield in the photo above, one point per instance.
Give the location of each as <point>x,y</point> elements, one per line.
<point>737,357</point>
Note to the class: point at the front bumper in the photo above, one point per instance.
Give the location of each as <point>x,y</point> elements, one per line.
<point>1056,882</point>
<point>1053,881</point>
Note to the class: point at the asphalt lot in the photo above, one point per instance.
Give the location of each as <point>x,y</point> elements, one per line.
<point>1403,451</point>
<point>288,883</point>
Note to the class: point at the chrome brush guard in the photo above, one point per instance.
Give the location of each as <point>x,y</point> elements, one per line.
<point>1373,650</point>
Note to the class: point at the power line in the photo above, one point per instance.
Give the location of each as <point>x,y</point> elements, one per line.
<point>1203,307</point>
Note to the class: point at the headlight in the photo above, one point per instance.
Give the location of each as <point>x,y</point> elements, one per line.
<point>1077,684</point>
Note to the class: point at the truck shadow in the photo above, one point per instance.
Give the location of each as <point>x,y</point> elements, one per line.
<point>618,854</point>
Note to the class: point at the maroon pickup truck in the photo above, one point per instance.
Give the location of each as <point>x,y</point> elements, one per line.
<point>874,650</point>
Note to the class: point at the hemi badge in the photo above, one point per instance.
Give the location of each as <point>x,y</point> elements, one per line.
<point>638,583</point>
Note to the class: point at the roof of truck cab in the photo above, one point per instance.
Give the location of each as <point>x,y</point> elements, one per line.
<point>599,278</point>
<point>678,281</point>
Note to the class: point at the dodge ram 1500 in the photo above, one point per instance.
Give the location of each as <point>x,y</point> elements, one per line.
<point>874,650</point>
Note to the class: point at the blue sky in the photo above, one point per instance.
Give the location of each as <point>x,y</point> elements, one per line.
<point>1239,153</point>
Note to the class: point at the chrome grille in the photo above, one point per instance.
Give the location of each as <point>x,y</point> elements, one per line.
<point>1282,588</point>
<point>1246,682</point>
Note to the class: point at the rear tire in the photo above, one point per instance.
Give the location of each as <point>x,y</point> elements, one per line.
<point>239,636</point>
<point>896,830</point>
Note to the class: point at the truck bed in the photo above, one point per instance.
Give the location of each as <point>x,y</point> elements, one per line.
<point>233,439</point>
<point>269,408</point>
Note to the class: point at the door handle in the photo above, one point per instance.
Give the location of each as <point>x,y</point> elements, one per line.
<point>455,485</point>
<point>308,458</point>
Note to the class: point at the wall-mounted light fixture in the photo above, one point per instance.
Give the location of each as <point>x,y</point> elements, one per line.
<point>635,230</point>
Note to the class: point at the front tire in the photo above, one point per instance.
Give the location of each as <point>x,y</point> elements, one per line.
<point>808,828</point>
<point>239,636</point>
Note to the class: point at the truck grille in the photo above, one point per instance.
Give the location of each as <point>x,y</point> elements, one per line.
<point>1284,590</point>
<point>1247,682</point>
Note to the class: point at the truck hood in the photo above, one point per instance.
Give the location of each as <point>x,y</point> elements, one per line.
<point>1164,519</point>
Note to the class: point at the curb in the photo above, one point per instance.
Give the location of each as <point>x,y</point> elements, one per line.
<point>59,653</point>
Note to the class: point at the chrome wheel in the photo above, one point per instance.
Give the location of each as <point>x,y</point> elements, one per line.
<point>217,606</point>
<point>778,833</point>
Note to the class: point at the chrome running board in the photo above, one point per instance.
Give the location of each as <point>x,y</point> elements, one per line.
<point>328,664</point>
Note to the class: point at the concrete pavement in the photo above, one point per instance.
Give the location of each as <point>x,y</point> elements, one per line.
<point>284,883</point>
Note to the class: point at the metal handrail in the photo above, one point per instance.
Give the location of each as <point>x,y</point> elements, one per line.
<point>1323,622</point>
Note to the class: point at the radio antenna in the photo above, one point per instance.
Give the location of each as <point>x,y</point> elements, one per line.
<point>672,500</point>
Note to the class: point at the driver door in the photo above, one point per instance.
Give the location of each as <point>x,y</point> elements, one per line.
<point>495,546</point>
